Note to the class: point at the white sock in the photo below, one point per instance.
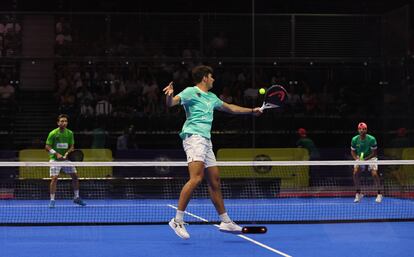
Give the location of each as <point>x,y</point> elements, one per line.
<point>76,193</point>
<point>179,216</point>
<point>52,197</point>
<point>225,217</point>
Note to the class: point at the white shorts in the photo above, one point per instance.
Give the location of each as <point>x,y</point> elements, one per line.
<point>55,170</point>
<point>370,167</point>
<point>198,148</point>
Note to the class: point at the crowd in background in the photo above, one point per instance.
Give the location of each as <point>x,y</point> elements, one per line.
<point>10,36</point>
<point>110,94</point>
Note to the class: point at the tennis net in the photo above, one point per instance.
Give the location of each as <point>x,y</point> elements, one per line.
<point>254,192</point>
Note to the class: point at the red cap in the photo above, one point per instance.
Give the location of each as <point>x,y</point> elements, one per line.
<point>362,125</point>
<point>401,132</point>
<point>302,132</point>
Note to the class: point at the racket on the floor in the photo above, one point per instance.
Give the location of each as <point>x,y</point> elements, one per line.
<point>254,230</point>
<point>75,156</point>
<point>275,97</point>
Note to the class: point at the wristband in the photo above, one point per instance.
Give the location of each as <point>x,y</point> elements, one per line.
<point>51,151</point>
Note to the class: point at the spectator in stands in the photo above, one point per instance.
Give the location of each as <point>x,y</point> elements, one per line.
<point>181,76</point>
<point>278,79</point>
<point>305,142</point>
<point>103,107</point>
<point>2,27</point>
<point>99,136</point>
<point>250,95</point>
<point>343,99</point>
<point>127,141</point>
<point>294,102</point>
<point>84,95</point>
<point>11,36</point>
<point>1,44</point>
<point>12,26</point>
<point>7,91</point>
<point>225,95</point>
<point>150,94</point>
<point>67,102</point>
<point>118,91</point>
<point>401,141</point>
<point>326,99</point>
<point>309,100</point>
<point>219,44</point>
<point>86,115</point>
<point>63,37</point>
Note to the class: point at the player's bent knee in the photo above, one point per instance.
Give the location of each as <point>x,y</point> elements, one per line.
<point>196,180</point>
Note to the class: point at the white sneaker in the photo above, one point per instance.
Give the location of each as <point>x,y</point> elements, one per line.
<point>179,228</point>
<point>379,198</point>
<point>230,227</point>
<point>358,197</point>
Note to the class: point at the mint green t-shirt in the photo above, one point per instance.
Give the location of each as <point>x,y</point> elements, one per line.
<point>363,146</point>
<point>199,107</point>
<point>60,141</point>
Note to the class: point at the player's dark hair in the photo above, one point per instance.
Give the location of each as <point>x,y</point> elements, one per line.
<point>199,72</point>
<point>62,116</point>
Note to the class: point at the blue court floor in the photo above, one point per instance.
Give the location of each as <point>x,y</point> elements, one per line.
<point>162,210</point>
<point>384,239</point>
<point>376,239</point>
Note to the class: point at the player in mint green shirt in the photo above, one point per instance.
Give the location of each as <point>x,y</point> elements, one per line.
<point>59,143</point>
<point>364,147</point>
<point>199,105</point>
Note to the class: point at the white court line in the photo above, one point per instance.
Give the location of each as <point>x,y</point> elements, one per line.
<point>241,236</point>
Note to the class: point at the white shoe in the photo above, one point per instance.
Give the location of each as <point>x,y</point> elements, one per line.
<point>230,227</point>
<point>179,228</point>
<point>379,198</point>
<point>358,197</point>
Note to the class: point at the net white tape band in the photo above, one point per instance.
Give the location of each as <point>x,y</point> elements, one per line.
<point>219,163</point>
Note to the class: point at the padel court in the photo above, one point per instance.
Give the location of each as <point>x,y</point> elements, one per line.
<point>154,238</point>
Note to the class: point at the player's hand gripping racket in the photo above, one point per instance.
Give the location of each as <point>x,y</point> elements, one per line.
<point>276,96</point>
<point>74,156</point>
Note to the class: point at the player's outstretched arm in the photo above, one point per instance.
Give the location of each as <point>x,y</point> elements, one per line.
<point>235,109</point>
<point>170,99</point>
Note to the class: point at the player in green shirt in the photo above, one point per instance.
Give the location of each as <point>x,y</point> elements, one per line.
<point>305,142</point>
<point>364,147</point>
<point>199,105</point>
<point>59,143</point>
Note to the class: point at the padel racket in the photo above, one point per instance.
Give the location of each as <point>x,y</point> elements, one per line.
<point>275,97</point>
<point>254,230</point>
<point>248,230</point>
<point>75,156</point>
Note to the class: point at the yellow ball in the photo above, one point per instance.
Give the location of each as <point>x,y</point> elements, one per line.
<point>262,91</point>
